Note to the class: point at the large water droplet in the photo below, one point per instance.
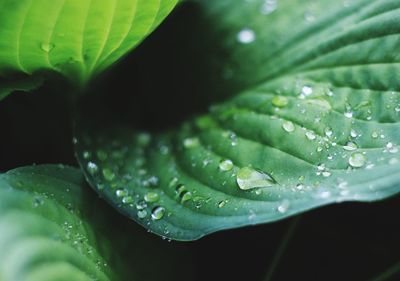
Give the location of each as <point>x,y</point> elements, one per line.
<point>357,160</point>
<point>284,206</point>
<point>391,148</point>
<point>246,36</point>
<point>157,213</point>
<point>248,178</point>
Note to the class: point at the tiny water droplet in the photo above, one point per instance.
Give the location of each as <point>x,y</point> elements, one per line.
<point>142,214</point>
<point>374,135</point>
<point>222,203</point>
<point>350,146</point>
<point>353,133</point>
<point>269,6</point>
<point>310,135</point>
<point>92,168</point>
<point>127,200</point>
<point>248,178</point>
<point>357,160</point>
<point>121,192</point>
<point>226,165</point>
<point>280,101</point>
<point>152,197</point>
<point>47,47</point>
<point>246,36</point>
<point>391,148</point>
<point>191,142</point>
<point>288,126</point>
<point>108,174</point>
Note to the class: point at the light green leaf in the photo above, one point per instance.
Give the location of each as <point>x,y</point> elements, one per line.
<point>314,121</point>
<point>77,38</point>
<point>52,228</point>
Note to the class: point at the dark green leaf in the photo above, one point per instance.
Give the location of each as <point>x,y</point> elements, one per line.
<point>314,120</point>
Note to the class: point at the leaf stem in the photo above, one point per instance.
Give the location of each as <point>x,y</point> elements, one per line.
<point>282,247</point>
<point>388,273</point>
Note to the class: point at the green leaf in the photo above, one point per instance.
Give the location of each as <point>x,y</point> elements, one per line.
<point>76,38</point>
<point>314,120</point>
<point>52,228</point>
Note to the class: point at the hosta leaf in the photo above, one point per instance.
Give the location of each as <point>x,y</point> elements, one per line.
<point>52,228</point>
<point>316,121</point>
<point>73,37</point>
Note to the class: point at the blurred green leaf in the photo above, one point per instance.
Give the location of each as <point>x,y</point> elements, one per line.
<point>52,228</point>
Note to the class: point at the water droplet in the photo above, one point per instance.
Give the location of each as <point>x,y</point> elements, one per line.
<point>152,197</point>
<point>391,148</point>
<point>47,47</point>
<point>37,201</point>
<point>357,160</point>
<point>348,112</point>
<point>284,206</point>
<point>157,213</point>
<point>288,126</point>
<point>141,205</point>
<point>191,142</point>
<point>248,178</point>
<point>328,132</point>
<point>246,36</point>
<point>121,192</point>
<point>127,200</point>
<point>92,168</point>
<point>173,182</point>
<point>309,16</point>
<point>225,165</point>
<point>306,91</point>
<point>108,174</point>
<point>300,186</point>
<point>350,146</point>
<point>185,196</point>
<point>353,133</point>
<point>142,214</point>
<point>280,101</point>
<point>310,135</point>
<point>374,135</point>
<point>86,155</point>
<point>222,203</point>
<point>269,6</point>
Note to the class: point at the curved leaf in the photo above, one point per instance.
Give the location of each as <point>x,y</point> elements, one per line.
<point>51,228</point>
<point>73,37</point>
<point>317,122</point>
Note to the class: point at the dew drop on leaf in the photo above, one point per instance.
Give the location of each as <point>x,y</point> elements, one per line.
<point>157,213</point>
<point>357,160</point>
<point>269,6</point>
<point>280,101</point>
<point>248,178</point>
<point>191,142</point>
<point>92,168</point>
<point>152,197</point>
<point>350,146</point>
<point>225,165</point>
<point>47,47</point>
<point>246,36</point>
<point>288,126</point>
<point>108,174</point>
